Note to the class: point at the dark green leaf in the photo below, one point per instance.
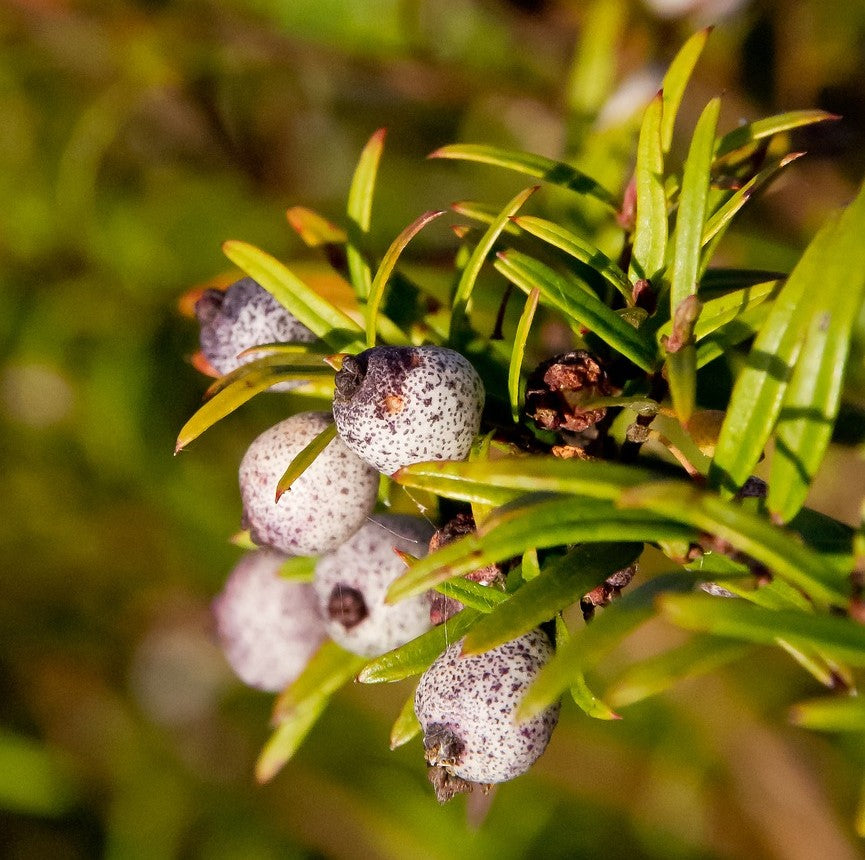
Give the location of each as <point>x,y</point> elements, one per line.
<point>747,532</point>
<point>840,637</point>
<point>538,166</point>
<point>578,248</point>
<point>561,583</point>
<point>528,273</point>
<point>811,401</point>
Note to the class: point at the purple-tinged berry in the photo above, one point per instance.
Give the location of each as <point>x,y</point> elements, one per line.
<point>327,504</point>
<point>397,405</point>
<point>466,706</point>
<point>351,584</point>
<point>268,627</point>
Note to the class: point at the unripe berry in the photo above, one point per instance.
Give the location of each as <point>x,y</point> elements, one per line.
<point>327,504</point>
<point>243,316</point>
<point>396,405</point>
<point>466,707</point>
<point>268,627</point>
<point>351,584</point>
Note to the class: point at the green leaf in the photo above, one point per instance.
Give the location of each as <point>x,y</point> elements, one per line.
<point>304,459</point>
<point>650,229</point>
<point>835,714</point>
<point>760,389</point>
<point>813,396</point>
<point>414,657</point>
<point>763,128</point>
<point>682,378</point>
<point>406,726</point>
<point>743,327</point>
<point>839,637</point>
<point>483,598</point>
<point>528,273</point>
<point>271,360</point>
<point>657,674</point>
<point>582,695</point>
<point>691,215</point>
<point>326,321</point>
<point>578,248</point>
<point>537,166</point>
<point>561,583</point>
<point>676,80</point>
<point>482,249</point>
<point>483,212</point>
<point>313,229</point>
<point>300,568</point>
<point>516,363</point>
<point>508,476</point>
<point>718,312</point>
<point>239,392</point>
<point>298,708</point>
<point>359,210</point>
<point>376,290</point>
<point>776,548</point>
<point>721,218</point>
<point>594,641</point>
<point>533,522</point>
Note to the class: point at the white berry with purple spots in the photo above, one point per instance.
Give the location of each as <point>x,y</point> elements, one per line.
<point>268,627</point>
<point>396,405</point>
<point>351,584</point>
<point>243,316</point>
<point>325,506</point>
<point>466,707</point>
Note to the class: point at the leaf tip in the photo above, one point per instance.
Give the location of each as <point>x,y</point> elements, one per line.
<point>335,360</point>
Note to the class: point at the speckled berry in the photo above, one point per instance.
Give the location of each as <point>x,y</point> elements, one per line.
<point>466,707</point>
<point>327,504</point>
<point>396,405</point>
<point>352,581</point>
<point>268,627</point>
<point>240,317</point>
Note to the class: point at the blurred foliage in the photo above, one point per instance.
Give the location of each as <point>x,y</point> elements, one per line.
<point>135,138</point>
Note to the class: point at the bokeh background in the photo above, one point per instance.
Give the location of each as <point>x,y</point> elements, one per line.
<point>134,138</point>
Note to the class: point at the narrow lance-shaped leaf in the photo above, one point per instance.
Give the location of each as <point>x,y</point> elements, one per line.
<point>812,399</point>
<point>482,249</point>
<point>376,290</point>
<point>763,128</point>
<point>599,480</point>
<point>270,362</point>
<point>359,210</point>
<point>759,390</point>
<point>538,166</point>
<point>483,212</point>
<point>534,522</point>
<point>304,459</point>
<point>834,714</point>
<point>518,351</point>
<point>406,726</point>
<point>578,248</point>
<point>228,399</point>
<point>745,531</point>
<point>560,584</point>
<point>676,80</point>
<point>414,657</point>
<point>317,314</point>
<point>313,229</point>
<point>650,228</point>
<point>528,273</point>
<point>593,642</point>
<point>837,636</point>
<point>691,215</point>
<point>657,674</point>
<point>302,703</point>
<point>582,695</point>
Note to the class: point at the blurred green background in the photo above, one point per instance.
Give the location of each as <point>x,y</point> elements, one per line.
<point>134,138</point>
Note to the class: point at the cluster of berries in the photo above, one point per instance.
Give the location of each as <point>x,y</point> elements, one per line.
<point>392,406</point>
